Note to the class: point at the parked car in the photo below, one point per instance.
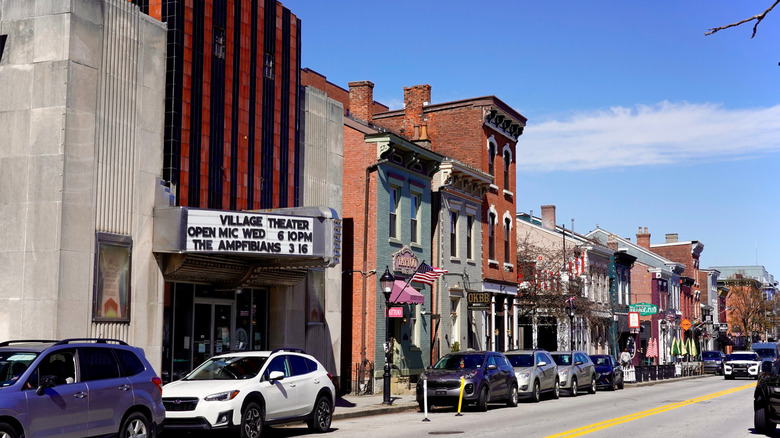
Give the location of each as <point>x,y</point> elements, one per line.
<point>575,371</point>
<point>742,363</point>
<point>610,374</point>
<point>251,389</point>
<point>768,351</point>
<point>766,399</point>
<point>713,361</point>
<point>487,375</point>
<point>77,388</point>
<point>536,373</point>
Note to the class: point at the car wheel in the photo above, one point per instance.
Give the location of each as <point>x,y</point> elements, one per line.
<point>252,421</point>
<point>135,425</point>
<point>483,399</point>
<point>612,383</point>
<point>761,423</point>
<point>322,415</point>
<point>536,392</point>
<point>592,388</point>
<point>422,406</point>
<point>557,389</point>
<point>622,383</point>
<point>573,387</point>
<point>512,401</point>
<point>6,431</point>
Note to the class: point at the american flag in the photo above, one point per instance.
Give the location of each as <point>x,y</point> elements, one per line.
<point>427,274</point>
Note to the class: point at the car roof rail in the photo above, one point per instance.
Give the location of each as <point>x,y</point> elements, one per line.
<point>95,340</point>
<point>27,341</point>
<point>292,350</point>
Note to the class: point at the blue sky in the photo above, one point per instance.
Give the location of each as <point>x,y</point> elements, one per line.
<point>635,117</point>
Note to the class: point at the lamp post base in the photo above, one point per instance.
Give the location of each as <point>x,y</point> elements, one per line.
<point>386,385</point>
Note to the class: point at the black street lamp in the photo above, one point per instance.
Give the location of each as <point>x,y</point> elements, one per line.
<point>570,312</point>
<point>386,282</point>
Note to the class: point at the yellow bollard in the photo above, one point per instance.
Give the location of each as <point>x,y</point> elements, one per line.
<point>460,399</point>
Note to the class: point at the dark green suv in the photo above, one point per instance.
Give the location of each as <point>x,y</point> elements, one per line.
<point>766,398</point>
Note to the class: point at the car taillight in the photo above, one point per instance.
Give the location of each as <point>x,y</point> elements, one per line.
<point>158,382</point>
<point>330,376</point>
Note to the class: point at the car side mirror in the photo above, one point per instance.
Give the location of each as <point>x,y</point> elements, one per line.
<point>275,375</point>
<point>541,364</point>
<point>492,366</point>
<point>579,362</point>
<point>46,382</point>
<point>766,367</point>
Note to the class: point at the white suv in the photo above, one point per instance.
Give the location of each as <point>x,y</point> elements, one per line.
<point>249,390</point>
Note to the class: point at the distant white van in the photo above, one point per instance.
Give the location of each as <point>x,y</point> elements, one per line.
<point>769,351</point>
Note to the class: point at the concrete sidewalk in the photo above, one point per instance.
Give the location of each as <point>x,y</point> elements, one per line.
<point>351,406</point>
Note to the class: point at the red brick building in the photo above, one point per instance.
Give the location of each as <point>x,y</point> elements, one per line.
<point>686,254</point>
<point>480,132</point>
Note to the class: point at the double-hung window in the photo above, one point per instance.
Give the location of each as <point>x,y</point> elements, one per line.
<point>453,233</point>
<point>415,215</point>
<point>395,199</point>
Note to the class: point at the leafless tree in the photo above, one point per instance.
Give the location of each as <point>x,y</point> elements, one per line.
<point>757,18</point>
<point>747,304</point>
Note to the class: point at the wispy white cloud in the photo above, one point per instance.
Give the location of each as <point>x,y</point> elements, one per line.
<point>664,133</point>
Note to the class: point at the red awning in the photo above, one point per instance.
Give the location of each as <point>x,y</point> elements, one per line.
<point>408,295</point>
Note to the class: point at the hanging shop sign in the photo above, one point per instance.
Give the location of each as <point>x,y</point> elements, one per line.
<point>405,262</point>
<point>478,300</point>
<point>644,309</point>
<point>633,320</point>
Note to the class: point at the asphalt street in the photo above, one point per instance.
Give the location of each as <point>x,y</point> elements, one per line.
<point>709,406</point>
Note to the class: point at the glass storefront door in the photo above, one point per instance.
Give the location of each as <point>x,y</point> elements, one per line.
<point>213,329</point>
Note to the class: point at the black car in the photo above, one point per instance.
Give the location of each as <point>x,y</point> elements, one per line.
<point>713,361</point>
<point>766,399</point>
<point>487,377</point>
<point>610,374</point>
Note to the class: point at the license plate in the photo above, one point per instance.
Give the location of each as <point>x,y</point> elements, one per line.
<point>441,392</point>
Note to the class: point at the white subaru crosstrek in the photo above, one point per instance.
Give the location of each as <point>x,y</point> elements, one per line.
<point>248,390</point>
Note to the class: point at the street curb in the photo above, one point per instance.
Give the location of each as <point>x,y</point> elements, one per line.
<point>673,379</point>
<point>376,410</point>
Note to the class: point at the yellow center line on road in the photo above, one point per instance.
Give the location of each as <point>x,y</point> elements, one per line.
<point>635,416</point>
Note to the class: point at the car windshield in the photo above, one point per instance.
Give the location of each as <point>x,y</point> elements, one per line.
<point>521,360</point>
<point>452,362</point>
<point>228,368</point>
<point>562,359</point>
<point>710,355</point>
<point>744,356</point>
<point>600,360</point>
<point>766,352</point>
<point>13,364</point>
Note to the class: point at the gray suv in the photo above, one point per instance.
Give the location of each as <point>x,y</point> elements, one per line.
<point>78,388</point>
<point>536,373</point>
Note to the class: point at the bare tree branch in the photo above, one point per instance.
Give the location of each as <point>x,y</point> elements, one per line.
<point>758,19</point>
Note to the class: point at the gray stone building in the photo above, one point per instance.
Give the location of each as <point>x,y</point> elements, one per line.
<point>82,86</point>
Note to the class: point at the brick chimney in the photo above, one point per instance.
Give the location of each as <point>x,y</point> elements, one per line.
<point>671,238</point>
<point>361,100</point>
<point>643,238</point>
<point>612,242</point>
<point>548,217</point>
<point>415,98</point>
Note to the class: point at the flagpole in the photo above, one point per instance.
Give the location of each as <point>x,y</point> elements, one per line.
<point>409,280</point>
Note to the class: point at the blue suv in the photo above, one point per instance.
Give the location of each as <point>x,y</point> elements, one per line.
<point>78,388</point>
